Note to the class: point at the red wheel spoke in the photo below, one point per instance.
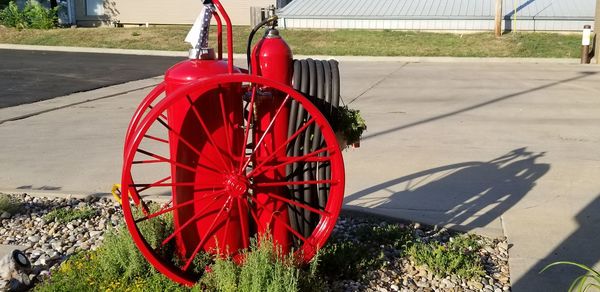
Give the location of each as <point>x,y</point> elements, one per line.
<point>163,159</point>
<point>260,168</point>
<point>267,130</point>
<point>166,209</point>
<point>254,215</point>
<point>163,211</point>
<point>156,139</point>
<point>247,130</point>
<point>227,221</point>
<point>188,144</point>
<point>180,184</point>
<point>190,221</point>
<point>292,183</point>
<point>147,161</point>
<point>161,114</point>
<point>294,136</point>
<point>245,232</point>
<point>298,204</point>
<point>166,205</point>
<point>211,228</point>
<point>154,183</point>
<point>285,224</point>
<point>226,124</point>
<point>207,132</point>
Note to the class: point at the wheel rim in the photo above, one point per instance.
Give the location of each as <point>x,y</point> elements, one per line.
<point>143,108</point>
<point>234,184</point>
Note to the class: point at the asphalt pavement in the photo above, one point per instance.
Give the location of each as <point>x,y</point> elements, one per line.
<point>499,149</point>
<point>31,76</point>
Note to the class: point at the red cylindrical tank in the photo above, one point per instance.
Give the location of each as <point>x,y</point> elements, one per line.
<point>272,59</point>
<point>183,120</point>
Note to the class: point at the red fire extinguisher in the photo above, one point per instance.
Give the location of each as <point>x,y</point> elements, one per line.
<point>272,59</point>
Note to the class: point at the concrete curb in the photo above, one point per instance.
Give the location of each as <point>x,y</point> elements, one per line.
<point>322,57</point>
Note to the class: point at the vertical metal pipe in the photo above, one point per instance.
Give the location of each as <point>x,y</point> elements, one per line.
<point>585,44</point>
<point>596,30</point>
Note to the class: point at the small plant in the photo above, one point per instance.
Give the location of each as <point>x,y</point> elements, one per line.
<point>117,265</point>
<point>39,17</point>
<point>394,235</point>
<point>348,260</point>
<point>33,15</point>
<point>264,268</point>
<point>8,204</point>
<point>350,124</point>
<point>590,280</point>
<point>12,16</point>
<point>135,33</point>
<point>64,215</point>
<point>345,259</point>
<point>458,257</point>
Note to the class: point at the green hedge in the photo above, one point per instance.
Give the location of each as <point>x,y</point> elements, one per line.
<point>33,15</point>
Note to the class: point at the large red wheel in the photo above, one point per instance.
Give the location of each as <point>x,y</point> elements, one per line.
<point>223,174</point>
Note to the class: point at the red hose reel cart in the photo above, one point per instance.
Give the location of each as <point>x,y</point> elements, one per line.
<point>239,154</point>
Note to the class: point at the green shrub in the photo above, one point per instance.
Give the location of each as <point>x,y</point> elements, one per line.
<point>263,269</point>
<point>63,215</point>
<point>117,265</point>
<point>348,260</point>
<point>458,257</point>
<point>12,16</point>
<point>33,15</point>
<point>8,204</point>
<point>39,17</point>
<point>343,259</point>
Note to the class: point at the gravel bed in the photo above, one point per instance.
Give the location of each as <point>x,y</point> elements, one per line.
<point>47,244</point>
<point>399,273</point>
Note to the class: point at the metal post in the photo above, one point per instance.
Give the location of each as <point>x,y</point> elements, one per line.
<point>498,19</point>
<point>585,44</point>
<point>597,32</point>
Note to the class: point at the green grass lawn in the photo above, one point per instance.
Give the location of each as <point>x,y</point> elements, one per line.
<point>319,42</point>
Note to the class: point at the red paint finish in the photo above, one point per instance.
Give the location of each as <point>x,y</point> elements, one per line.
<point>204,144</point>
<point>233,200</point>
<point>272,59</point>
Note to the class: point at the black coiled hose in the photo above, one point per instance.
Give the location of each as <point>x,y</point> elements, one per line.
<point>319,81</point>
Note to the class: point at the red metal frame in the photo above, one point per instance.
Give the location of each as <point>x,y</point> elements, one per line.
<point>213,191</point>
<point>328,215</point>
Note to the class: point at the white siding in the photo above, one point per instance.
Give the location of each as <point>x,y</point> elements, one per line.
<point>171,12</point>
<point>450,25</point>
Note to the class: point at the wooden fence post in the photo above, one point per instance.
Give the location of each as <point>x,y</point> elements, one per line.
<point>498,19</point>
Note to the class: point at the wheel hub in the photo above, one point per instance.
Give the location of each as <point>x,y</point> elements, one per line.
<point>236,185</point>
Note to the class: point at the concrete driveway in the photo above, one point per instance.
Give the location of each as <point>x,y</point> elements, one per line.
<point>500,149</point>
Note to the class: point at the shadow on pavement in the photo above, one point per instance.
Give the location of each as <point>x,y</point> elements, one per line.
<point>582,246</point>
<point>465,195</point>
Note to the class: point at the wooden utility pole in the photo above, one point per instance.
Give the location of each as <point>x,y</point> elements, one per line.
<point>597,33</point>
<point>498,19</point>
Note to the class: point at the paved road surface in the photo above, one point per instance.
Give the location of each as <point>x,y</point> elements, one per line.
<point>28,76</point>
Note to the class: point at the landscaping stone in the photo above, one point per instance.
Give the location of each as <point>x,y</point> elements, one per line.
<point>50,243</point>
